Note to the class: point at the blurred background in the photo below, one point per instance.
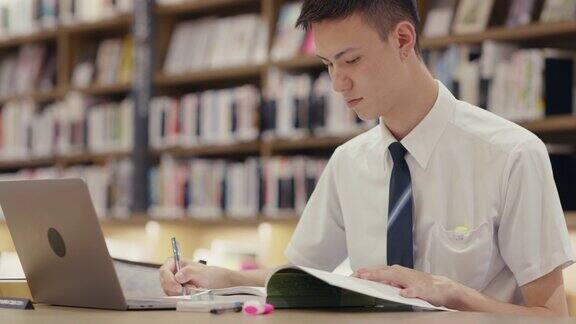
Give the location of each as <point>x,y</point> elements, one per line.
<point>212,120</point>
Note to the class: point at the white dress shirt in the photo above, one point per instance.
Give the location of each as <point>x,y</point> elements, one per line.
<point>486,209</point>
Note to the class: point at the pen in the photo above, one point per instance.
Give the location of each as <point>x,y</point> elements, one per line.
<point>236,308</point>
<point>176,251</point>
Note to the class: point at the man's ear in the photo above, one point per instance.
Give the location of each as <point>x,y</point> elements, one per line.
<point>405,36</point>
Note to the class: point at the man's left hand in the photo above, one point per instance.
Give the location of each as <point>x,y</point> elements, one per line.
<point>437,290</point>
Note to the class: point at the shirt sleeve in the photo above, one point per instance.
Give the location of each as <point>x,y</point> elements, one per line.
<point>532,234</point>
<point>319,239</point>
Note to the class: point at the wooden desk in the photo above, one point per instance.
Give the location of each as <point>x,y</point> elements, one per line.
<point>59,315</point>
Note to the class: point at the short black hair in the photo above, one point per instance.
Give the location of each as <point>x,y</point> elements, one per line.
<point>383,15</point>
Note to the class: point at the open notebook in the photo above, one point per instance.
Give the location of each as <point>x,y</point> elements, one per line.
<point>302,287</point>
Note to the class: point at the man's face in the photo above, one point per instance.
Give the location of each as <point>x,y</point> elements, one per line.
<point>366,70</point>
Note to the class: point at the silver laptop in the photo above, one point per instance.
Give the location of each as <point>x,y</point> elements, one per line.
<point>61,247</point>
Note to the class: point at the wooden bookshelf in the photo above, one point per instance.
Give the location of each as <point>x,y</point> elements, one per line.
<point>114,22</point>
<point>60,160</point>
<point>207,150</point>
<point>98,89</point>
<point>554,129</point>
<point>38,96</point>
<point>26,163</point>
<point>552,124</point>
<point>281,146</point>
<point>39,36</point>
<point>532,32</point>
<point>201,6</point>
<point>209,76</point>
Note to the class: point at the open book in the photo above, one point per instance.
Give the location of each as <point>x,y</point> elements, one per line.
<point>302,287</point>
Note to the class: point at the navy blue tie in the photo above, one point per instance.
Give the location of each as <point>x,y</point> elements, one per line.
<point>400,247</point>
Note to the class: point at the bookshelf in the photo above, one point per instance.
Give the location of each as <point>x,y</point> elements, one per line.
<point>202,6</point>
<point>67,40</point>
<point>210,76</point>
<point>540,32</point>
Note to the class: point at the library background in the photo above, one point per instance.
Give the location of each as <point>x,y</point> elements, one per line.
<point>212,120</point>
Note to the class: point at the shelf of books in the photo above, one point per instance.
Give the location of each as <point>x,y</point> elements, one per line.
<point>542,32</point>
<point>170,7</point>
<point>243,117</point>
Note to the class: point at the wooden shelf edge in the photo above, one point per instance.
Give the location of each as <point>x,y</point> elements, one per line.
<point>118,20</point>
<point>38,36</point>
<point>250,71</point>
<point>35,96</point>
<point>279,145</point>
<point>551,124</point>
<point>237,148</point>
<point>532,31</point>
<point>189,7</point>
<point>60,160</point>
<point>99,89</point>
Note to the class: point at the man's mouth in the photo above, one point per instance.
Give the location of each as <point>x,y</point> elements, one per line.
<point>353,102</point>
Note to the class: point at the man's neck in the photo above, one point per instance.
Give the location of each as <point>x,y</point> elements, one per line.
<point>418,101</point>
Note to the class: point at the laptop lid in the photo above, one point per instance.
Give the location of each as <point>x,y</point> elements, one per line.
<point>60,243</point>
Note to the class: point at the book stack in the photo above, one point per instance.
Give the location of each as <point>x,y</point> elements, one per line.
<point>439,18</point>
<point>213,189</point>
<point>517,84</point>
<point>296,106</point>
<point>288,183</point>
<point>110,126</point>
<point>289,41</point>
<point>26,16</point>
<point>78,11</point>
<point>211,117</point>
<point>31,68</point>
<point>109,185</point>
<point>471,16</point>
<point>205,189</point>
<point>66,127</point>
<point>521,13</point>
<point>212,43</point>
<point>110,63</point>
<point>22,17</point>
<point>558,10</point>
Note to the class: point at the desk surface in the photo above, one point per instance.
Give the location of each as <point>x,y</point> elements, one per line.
<point>59,315</point>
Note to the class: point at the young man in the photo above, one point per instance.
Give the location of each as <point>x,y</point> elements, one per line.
<point>443,199</point>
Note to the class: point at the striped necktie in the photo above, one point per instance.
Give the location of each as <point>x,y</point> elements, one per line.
<point>400,249</point>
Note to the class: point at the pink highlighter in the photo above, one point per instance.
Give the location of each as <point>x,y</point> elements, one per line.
<point>254,307</point>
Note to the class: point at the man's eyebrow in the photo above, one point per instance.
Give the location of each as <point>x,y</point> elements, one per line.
<point>337,56</point>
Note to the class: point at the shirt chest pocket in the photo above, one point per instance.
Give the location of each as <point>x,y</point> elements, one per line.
<point>461,254</point>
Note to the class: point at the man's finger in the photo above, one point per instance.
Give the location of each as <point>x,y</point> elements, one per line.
<point>370,269</point>
<point>168,282</point>
<point>392,275</point>
<point>187,274</point>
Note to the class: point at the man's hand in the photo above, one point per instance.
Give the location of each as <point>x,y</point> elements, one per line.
<point>437,290</point>
<point>192,275</point>
<point>544,296</point>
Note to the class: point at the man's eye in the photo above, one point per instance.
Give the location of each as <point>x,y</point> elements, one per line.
<point>353,61</point>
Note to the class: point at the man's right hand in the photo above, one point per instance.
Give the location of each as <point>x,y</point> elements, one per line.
<point>193,275</point>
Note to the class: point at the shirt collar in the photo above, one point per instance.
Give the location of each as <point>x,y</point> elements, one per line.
<point>421,141</point>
